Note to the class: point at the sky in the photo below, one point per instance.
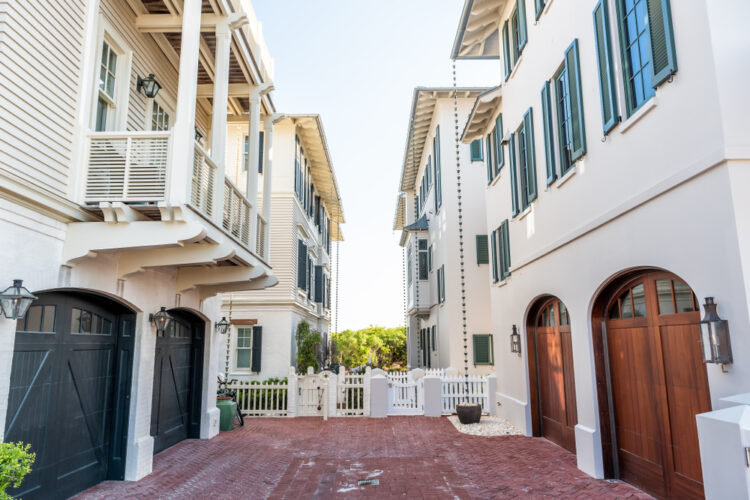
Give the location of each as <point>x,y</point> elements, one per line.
<point>356,63</point>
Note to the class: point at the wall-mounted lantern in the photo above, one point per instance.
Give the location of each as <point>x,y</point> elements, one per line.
<point>515,341</point>
<point>161,320</point>
<point>148,86</point>
<point>715,336</point>
<point>16,300</point>
<point>222,326</point>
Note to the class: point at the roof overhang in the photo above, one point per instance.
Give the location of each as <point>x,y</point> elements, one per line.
<point>478,35</point>
<point>399,220</point>
<point>422,109</point>
<point>481,115</point>
<point>310,130</point>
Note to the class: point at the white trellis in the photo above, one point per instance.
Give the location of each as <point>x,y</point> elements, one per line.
<point>461,389</point>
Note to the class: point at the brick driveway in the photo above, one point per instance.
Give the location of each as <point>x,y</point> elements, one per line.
<point>412,457</point>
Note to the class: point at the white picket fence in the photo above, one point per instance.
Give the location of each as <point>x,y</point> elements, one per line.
<point>353,395</point>
<point>398,376</point>
<point>262,399</point>
<point>462,389</point>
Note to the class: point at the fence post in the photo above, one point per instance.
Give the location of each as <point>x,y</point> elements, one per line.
<point>433,399</point>
<point>291,393</point>
<point>340,387</point>
<point>333,394</point>
<point>492,394</point>
<point>366,396</point>
<point>379,396</point>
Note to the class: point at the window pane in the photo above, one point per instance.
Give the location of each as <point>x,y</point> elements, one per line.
<point>563,315</point>
<point>243,358</point>
<point>96,324</point>
<point>106,327</point>
<point>85,322</point>
<point>75,321</point>
<point>639,301</point>
<point>34,319</point>
<point>683,296</point>
<point>48,319</point>
<point>626,310</point>
<point>551,315</point>
<point>664,294</point>
<point>101,115</point>
<point>614,311</point>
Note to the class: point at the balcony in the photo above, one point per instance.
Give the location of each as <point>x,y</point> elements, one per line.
<point>419,299</point>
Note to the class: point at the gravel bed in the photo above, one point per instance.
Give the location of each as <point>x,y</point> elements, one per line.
<point>488,426</point>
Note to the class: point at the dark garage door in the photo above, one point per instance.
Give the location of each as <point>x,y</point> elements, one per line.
<point>175,411</point>
<point>69,392</point>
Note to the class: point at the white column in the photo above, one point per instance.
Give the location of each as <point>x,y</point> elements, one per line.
<point>219,116</point>
<point>7,347</point>
<point>253,152</point>
<point>183,132</point>
<point>268,178</point>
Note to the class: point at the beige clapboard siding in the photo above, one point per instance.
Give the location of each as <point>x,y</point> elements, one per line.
<point>40,56</point>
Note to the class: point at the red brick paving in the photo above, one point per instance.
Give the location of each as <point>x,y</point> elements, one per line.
<point>412,457</point>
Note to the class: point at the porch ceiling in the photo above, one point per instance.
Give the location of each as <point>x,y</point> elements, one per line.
<point>478,35</point>
<point>482,114</point>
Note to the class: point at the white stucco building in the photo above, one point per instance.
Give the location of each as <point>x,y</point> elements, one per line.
<point>114,205</point>
<point>305,205</point>
<point>427,213</point>
<point>616,201</point>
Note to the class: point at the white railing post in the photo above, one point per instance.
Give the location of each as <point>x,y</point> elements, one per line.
<point>219,116</point>
<point>332,394</point>
<point>367,388</point>
<point>291,402</point>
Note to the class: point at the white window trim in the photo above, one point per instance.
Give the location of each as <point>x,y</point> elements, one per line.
<point>165,104</point>
<point>117,120</point>
<point>233,361</point>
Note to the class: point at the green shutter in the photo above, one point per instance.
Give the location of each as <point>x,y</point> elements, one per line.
<point>513,181</point>
<point>261,140</point>
<point>504,249</point>
<point>490,171</point>
<point>301,265</point>
<point>319,284</point>
<point>476,150</point>
<point>482,250</point>
<point>438,176</point>
<point>539,7</point>
<point>528,126</point>
<point>499,153</point>
<point>549,138</point>
<point>604,63</point>
<point>494,256</point>
<point>506,50</point>
<point>257,348</point>
<point>578,133</point>
<point>522,35</point>
<point>482,349</point>
<point>663,56</point>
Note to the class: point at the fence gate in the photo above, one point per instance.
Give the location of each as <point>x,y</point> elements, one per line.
<point>312,395</point>
<point>405,396</point>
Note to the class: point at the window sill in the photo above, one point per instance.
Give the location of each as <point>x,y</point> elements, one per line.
<point>495,180</point>
<point>640,113</point>
<point>565,178</point>
<point>526,211</point>
<point>501,283</point>
<point>515,67</point>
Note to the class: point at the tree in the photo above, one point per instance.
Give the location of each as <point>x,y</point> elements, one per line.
<point>385,346</point>
<point>307,347</point>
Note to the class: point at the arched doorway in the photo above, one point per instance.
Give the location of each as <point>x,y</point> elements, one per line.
<point>646,338</point>
<point>553,392</point>
<point>178,379</point>
<point>70,391</point>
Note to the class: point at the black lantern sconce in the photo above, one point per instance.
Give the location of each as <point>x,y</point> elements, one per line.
<point>149,86</point>
<point>715,336</point>
<point>16,300</point>
<point>222,326</point>
<point>515,341</point>
<point>161,320</point>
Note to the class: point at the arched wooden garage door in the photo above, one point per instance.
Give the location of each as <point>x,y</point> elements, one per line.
<point>658,384</point>
<point>70,391</point>
<point>555,414</point>
<point>178,376</point>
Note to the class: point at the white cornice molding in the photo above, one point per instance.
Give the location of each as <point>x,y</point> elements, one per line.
<point>26,194</point>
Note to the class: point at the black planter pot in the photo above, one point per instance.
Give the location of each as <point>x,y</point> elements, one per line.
<point>469,414</point>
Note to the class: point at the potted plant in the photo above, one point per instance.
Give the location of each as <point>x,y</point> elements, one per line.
<point>469,413</point>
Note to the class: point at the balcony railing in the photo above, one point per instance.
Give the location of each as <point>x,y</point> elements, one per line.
<point>260,239</point>
<point>236,218</point>
<point>202,186</point>
<point>127,167</point>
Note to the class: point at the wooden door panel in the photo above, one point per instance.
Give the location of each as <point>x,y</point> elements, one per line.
<point>644,474</point>
<point>687,395</point>
<point>551,384</point>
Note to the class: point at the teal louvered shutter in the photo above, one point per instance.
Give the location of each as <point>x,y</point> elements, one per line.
<point>482,250</point>
<point>301,265</point>
<point>438,173</point>
<point>663,56</point>
<point>506,50</point>
<point>476,150</point>
<point>261,141</point>
<point>499,152</point>
<point>257,348</point>
<point>549,138</point>
<point>539,4</point>
<point>528,126</point>
<point>578,133</point>
<point>489,162</point>
<point>605,66</point>
<point>522,35</point>
<point>513,180</point>
<point>482,349</point>
<point>493,246</point>
<point>319,284</point>
<point>505,240</point>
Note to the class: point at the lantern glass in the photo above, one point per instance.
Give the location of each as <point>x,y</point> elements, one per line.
<point>222,326</point>
<point>16,300</point>
<point>149,85</point>
<point>161,320</point>
<point>515,341</point>
<point>715,336</point>
<point>706,342</point>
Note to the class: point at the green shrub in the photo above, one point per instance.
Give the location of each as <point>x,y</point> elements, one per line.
<point>307,347</point>
<point>15,463</point>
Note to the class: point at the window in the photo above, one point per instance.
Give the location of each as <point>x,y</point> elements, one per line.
<point>159,117</point>
<point>495,150</point>
<point>438,176</point>
<point>423,260</point>
<point>501,252</point>
<point>507,63</point>
<point>302,265</point>
<point>514,36</point>
<point>604,64</point>
<point>490,161</point>
<point>483,256</point>
<point>526,161</point>
<point>675,296</point>
<point>569,103</point>
<point>630,304</point>
<point>40,319</point>
<point>429,258</point>
<point>106,99</point>
<point>539,5</point>
<point>483,350</point>
<point>476,150</point>
<point>85,323</point>
<point>441,284</point>
<point>244,348</point>
<point>549,136</point>
<point>647,48</point>
<point>434,338</point>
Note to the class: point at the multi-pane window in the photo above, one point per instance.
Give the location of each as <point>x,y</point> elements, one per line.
<point>159,118</point>
<point>39,319</point>
<point>107,80</point>
<point>637,51</point>
<point>524,139</point>
<point>514,36</point>
<point>563,119</point>
<point>501,252</point>
<point>495,150</point>
<point>244,349</point>
<point>423,260</point>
